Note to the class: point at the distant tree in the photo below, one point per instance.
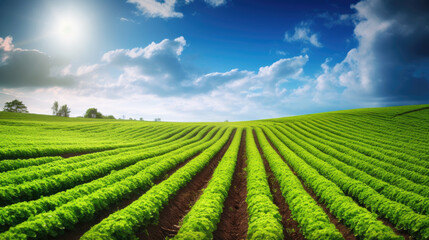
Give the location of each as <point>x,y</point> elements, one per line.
<point>93,113</point>
<point>157,120</point>
<point>226,121</point>
<point>64,111</point>
<point>141,119</point>
<point>15,106</point>
<point>55,108</point>
<point>109,117</point>
<point>130,119</point>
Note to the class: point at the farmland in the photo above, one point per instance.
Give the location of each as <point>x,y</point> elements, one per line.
<point>353,174</point>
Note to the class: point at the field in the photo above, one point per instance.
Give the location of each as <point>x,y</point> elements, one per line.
<point>354,174</point>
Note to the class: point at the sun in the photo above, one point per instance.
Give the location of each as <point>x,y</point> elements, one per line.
<point>68,28</point>
<point>68,31</point>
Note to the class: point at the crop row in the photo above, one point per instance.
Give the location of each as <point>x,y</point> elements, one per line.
<point>312,220</point>
<point>17,213</point>
<point>264,216</point>
<point>31,173</point>
<point>53,223</point>
<point>382,129</point>
<point>34,189</point>
<point>124,223</point>
<point>7,165</point>
<point>363,223</point>
<point>373,167</point>
<point>400,215</point>
<point>340,159</point>
<point>403,150</point>
<point>368,148</point>
<point>202,219</point>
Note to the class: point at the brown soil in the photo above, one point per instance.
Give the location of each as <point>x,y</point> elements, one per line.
<point>403,233</point>
<point>290,226</point>
<point>344,230</point>
<point>233,223</point>
<point>181,203</point>
<point>68,155</point>
<point>83,227</point>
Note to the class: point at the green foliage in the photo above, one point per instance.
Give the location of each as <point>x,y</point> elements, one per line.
<point>360,163</point>
<point>204,216</point>
<point>313,221</point>
<point>64,111</point>
<point>123,223</point>
<point>264,216</point>
<point>92,113</point>
<point>15,106</point>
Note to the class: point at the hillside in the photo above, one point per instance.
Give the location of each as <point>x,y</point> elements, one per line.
<point>353,174</point>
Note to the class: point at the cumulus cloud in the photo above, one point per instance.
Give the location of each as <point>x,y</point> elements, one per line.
<point>215,3</point>
<point>335,19</point>
<point>302,33</point>
<point>152,81</point>
<point>390,63</point>
<point>165,9</point>
<point>153,8</point>
<point>30,68</point>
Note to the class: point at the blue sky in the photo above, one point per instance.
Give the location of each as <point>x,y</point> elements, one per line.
<point>213,60</point>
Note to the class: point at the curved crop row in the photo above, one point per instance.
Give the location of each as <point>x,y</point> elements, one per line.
<point>42,171</point>
<point>7,165</point>
<point>394,136</point>
<point>202,219</point>
<point>66,216</point>
<point>400,215</point>
<point>396,158</point>
<point>312,220</point>
<point>49,185</point>
<point>19,212</point>
<point>264,216</point>
<point>338,160</point>
<point>373,167</point>
<point>363,223</point>
<point>392,148</point>
<point>122,224</point>
<point>161,137</point>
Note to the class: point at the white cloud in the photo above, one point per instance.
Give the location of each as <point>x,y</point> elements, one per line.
<point>301,90</point>
<point>152,82</point>
<point>123,19</point>
<point>30,68</point>
<point>215,3</point>
<point>303,33</point>
<point>166,8</point>
<point>389,66</point>
<point>153,8</point>
<point>334,19</point>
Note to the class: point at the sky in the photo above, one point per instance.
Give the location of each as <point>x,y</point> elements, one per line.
<point>213,60</point>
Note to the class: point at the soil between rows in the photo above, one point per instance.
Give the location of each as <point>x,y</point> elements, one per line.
<point>290,226</point>
<point>343,229</point>
<point>233,222</point>
<point>83,227</point>
<point>181,203</point>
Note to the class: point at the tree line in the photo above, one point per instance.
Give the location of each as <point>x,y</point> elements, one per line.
<point>63,111</point>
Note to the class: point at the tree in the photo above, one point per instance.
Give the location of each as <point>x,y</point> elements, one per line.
<point>15,106</point>
<point>55,108</point>
<point>93,113</point>
<point>64,111</point>
<point>157,120</point>
<point>110,117</point>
